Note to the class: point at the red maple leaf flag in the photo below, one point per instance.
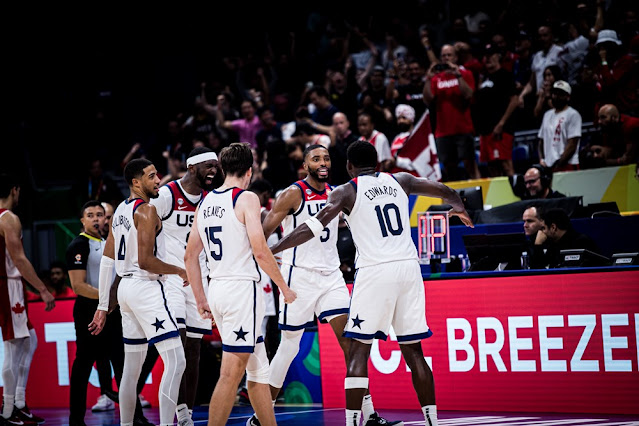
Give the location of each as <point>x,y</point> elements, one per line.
<point>421,151</point>
<point>18,308</point>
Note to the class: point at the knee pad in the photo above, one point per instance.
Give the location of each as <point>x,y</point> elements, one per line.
<point>259,375</point>
<point>290,343</point>
<point>257,368</point>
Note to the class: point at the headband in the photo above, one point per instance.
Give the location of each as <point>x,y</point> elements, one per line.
<point>200,158</point>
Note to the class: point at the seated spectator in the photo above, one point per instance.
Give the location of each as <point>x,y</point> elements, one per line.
<point>538,184</point>
<point>57,283</point>
<point>560,131</point>
<point>532,222</point>
<point>617,143</point>
<point>557,234</point>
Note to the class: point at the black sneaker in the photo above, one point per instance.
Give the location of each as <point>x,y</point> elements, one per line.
<point>113,396</point>
<point>142,421</point>
<point>376,419</point>
<point>253,421</point>
<point>27,416</point>
<point>14,420</point>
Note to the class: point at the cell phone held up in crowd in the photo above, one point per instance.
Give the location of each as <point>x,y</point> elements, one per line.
<point>441,67</point>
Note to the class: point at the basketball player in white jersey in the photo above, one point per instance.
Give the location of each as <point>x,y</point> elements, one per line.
<point>136,246</point>
<point>20,340</point>
<point>175,205</point>
<point>389,286</point>
<point>312,270</point>
<point>229,229</point>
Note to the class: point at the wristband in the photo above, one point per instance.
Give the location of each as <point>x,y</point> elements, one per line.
<point>604,63</point>
<point>314,225</point>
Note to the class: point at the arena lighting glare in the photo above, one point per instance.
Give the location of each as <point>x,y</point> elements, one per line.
<point>433,237</point>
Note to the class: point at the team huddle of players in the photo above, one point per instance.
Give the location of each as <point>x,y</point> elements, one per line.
<point>193,255</point>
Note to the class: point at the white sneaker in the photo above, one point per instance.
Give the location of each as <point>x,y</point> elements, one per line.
<point>143,402</point>
<point>103,404</point>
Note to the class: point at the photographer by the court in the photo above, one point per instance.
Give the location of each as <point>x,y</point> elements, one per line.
<point>448,91</point>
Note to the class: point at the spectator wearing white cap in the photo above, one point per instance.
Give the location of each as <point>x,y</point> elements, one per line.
<point>560,131</point>
<point>619,72</point>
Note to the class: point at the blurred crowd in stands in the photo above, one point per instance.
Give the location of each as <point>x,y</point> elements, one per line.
<point>486,72</point>
<point>484,75</point>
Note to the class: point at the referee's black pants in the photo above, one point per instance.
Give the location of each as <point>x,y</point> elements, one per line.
<point>90,348</point>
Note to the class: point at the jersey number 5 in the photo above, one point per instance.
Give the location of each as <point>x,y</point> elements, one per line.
<point>213,240</point>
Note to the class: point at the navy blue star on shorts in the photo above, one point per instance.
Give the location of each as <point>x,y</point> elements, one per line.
<point>158,324</point>
<point>357,322</point>
<point>240,334</point>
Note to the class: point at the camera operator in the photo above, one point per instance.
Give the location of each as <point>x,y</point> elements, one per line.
<point>448,90</point>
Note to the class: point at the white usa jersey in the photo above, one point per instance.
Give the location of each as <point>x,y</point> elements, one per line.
<point>380,221</point>
<point>226,243</point>
<point>319,253</point>
<point>177,210</point>
<point>125,238</point>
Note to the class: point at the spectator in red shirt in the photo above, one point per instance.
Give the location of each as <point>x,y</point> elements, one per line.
<point>449,90</point>
<point>619,75</point>
<point>57,283</point>
<point>618,142</point>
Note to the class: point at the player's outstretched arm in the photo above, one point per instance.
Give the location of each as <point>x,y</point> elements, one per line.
<point>287,202</point>
<point>342,198</point>
<point>429,188</point>
<point>12,229</point>
<point>247,208</point>
<point>192,264</point>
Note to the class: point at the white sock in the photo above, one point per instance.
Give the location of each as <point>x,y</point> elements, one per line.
<point>430,414</point>
<point>19,399</point>
<point>352,417</point>
<point>8,401</point>
<point>182,412</point>
<point>367,408</point>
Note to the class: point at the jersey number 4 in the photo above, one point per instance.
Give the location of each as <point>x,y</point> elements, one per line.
<point>385,223</point>
<point>121,249</point>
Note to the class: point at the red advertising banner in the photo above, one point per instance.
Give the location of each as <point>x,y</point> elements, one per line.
<point>49,378</point>
<point>544,343</point>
